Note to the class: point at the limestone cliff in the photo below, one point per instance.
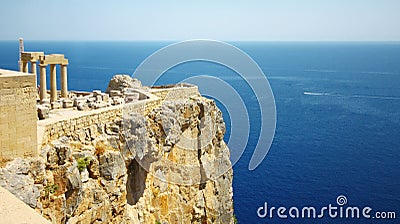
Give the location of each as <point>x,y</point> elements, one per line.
<point>168,166</point>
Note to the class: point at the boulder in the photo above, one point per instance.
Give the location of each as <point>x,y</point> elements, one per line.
<point>120,82</point>
<point>14,177</point>
<point>74,178</point>
<point>117,100</point>
<point>82,106</point>
<point>96,92</point>
<point>112,165</point>
<point>63,151</point>
<point>43,112</point>
<point>67,103</point>
<point>131,97</point>
<point>56,105</point>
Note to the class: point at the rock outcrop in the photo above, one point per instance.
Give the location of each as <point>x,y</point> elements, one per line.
<point>18,178</point>
<point>122,82</point>
<point>170,166</point>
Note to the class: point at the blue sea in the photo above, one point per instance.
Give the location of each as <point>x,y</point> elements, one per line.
<point>338,119</point>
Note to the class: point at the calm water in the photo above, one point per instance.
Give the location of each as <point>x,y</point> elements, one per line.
<point>338,118</point>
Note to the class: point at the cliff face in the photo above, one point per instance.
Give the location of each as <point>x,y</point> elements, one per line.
<point>170,166</point>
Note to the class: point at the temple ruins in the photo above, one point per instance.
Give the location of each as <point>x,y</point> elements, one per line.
<point>44,60</point>
<point>30,119</point>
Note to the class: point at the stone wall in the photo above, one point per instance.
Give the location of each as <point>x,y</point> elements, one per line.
<point>81,124</point>
<point>178,92</point>
<point>18,116</point>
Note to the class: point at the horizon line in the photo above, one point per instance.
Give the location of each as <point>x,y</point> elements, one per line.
<point>180,40</point>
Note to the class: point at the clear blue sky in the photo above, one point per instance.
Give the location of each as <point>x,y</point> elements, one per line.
<point>279,20</point>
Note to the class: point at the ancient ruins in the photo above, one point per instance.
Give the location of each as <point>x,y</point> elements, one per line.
<point>32,116</point>
<point>131,154</point>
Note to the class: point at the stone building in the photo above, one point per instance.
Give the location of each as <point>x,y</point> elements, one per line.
<point>18,117</point>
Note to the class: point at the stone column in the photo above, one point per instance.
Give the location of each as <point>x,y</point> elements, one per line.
<point>24,66</point>
<point>21,67</point>
<point>33,67</point>
<point>53,83</point>
<point>33,71</point>
<point>43,84</point>
<point>64,81</point>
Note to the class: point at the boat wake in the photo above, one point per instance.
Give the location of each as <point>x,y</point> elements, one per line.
<point>352,96</point>
<point>317,94</point>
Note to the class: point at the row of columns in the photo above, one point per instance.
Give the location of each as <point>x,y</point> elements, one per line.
<point>44,60</point>
<point>25,67</point>
<point>53,82</point>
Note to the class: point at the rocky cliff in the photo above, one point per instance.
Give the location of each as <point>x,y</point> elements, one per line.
<point>169,166</point>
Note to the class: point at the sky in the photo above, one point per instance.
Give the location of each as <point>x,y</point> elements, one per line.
<point>225,20</point>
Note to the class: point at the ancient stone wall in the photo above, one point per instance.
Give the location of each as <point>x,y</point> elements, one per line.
<point>18,114</point>
<point>79,124</point>
<point>69,126</point>
<point>175,93</point>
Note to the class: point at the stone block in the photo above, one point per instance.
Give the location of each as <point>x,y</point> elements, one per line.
<point>91,99</point>
<point>105,97</point>
<point>117,100</point>
<point>131,97</point>
<point>79,100</point>
<point>45,101</point>
<point>114,93</point>
<point>55,105</point>
<point>100,105</point>
<point>67,103</point>
<point>96,92</point>
<point>82,106</point>
<point>99,98</point>
<point>92,105</point>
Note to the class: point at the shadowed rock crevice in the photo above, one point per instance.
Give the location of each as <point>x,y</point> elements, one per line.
<point>136,183</point>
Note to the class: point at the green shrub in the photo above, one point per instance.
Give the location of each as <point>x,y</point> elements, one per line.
<point>83,163</point>
<point>50,189</point>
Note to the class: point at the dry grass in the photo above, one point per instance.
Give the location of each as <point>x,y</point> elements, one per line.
<point>101,147</point>
<point>76,145</point>
<point>4,161</point>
